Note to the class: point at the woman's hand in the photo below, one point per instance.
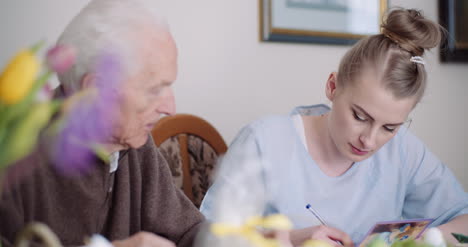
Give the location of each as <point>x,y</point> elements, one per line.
<point>328,234</point>
<point>282,236</point>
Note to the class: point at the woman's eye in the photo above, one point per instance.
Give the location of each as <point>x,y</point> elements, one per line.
<point>358,117</point>
<point>389,129</point>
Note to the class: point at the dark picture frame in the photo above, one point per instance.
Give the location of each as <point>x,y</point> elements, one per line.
<point>319,21</point>
<point>453,15</point>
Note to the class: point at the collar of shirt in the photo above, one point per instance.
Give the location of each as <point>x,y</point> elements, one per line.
<point>114,162</point>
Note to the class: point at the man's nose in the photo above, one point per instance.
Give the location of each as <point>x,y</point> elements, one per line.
<point>168,105</point>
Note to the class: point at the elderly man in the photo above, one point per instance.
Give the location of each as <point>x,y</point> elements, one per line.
<point>132,202</point>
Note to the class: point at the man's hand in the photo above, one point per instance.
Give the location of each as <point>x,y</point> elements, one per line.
<point>144,239</point>
<point>325,233</point>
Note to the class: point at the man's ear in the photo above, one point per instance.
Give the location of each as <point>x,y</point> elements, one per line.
<point>88,81</point>
<point>330,90</point>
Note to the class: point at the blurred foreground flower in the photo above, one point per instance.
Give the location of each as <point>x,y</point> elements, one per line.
<point>21,137</point>
<point>434,237</point>
<point>60,58</point>
<point>98,241</point>
<point>250,230</point>
<point>87,120</point>
<point>19,76</point>
<point>22,117</point>
<point>74,137</point>
<point>319,243</point>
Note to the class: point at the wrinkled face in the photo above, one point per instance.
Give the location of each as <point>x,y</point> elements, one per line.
<point>364,116</point>
<point>147,93</point>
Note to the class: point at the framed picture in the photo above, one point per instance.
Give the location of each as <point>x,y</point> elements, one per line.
<point>320,21</point>
<point>453,16</point>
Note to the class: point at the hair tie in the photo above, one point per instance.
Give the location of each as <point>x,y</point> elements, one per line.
<point>417,59</point>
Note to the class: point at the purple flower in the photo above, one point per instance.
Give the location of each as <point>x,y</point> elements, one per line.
<point>60,58</point>
<point>89,119</point>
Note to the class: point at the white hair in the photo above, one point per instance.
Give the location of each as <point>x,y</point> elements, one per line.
<point>107,26</point>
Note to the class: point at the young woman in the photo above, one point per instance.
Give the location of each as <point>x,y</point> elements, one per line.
<point>355,163</point>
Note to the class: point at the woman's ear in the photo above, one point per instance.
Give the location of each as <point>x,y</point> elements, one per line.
<point>88,81</point>
<point>330,90</point>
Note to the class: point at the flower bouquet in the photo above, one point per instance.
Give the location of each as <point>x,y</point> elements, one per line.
<point>73,127</point>
<point>432,237</point>
<point>22,115</point>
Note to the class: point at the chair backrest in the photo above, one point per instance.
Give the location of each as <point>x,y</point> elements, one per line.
<point>191,146</point>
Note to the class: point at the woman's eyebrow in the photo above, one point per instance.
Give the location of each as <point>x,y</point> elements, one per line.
<point>394,124</point>
<point>369,116</point>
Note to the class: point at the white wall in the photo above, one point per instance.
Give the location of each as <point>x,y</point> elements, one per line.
<point>230,78</point>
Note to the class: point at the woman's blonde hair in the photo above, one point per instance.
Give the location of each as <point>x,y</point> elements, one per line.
<point>406,34</point>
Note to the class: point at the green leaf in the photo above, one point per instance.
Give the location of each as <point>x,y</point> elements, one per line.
<point>36,47</point>
<point>101,152</point>
<point>463,239</point>
<point>21,138</point>
<point>377,243</point>
<point>410,243</point>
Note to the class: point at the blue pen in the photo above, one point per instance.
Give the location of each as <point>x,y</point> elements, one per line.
<point>316,214</point>
<point>309,207</point>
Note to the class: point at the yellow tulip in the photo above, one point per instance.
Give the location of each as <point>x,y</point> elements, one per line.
<point>18,77</point>
<point>277,222</point>
<point>249,230</point>
<point>316,243</point>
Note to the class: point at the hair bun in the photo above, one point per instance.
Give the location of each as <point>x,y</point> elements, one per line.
<point>411,31</point>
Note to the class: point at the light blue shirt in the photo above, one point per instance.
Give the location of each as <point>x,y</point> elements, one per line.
<point>267,169</point>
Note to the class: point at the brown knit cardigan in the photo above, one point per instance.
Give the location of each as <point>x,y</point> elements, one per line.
<point>139,196</point>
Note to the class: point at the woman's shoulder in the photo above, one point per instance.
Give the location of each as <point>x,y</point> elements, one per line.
<point>269,123</point>
<point>283,120</point>
<point>407,150</point>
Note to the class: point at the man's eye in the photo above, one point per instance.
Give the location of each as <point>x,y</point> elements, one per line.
<point>155,90</point>
<point>358,117</point>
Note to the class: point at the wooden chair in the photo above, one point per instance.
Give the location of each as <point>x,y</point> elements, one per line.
<point>191,146</point>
